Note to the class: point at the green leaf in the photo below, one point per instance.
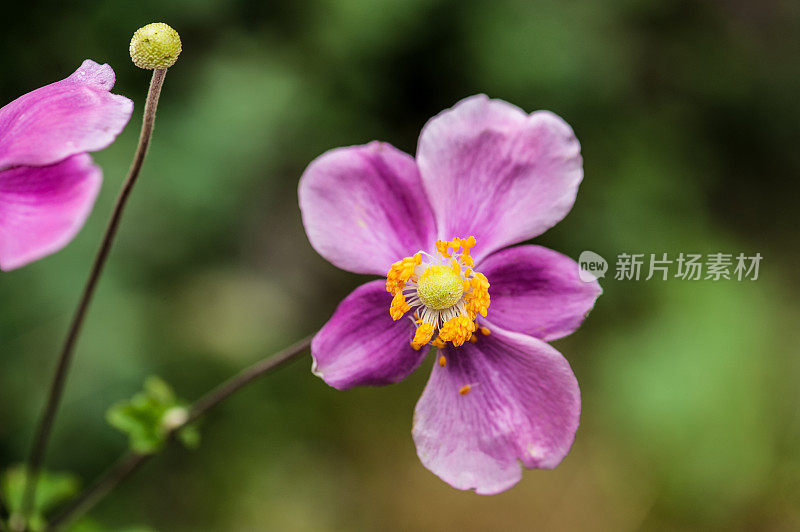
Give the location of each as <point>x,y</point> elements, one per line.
<point>189,437</point>
<point>148,417</point>
<point>52,489</point>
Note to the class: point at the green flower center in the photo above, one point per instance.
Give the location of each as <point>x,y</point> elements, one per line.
<point>439,287</point>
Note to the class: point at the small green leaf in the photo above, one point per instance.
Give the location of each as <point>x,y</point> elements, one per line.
<point>52,489</point>
<point>189,437</point>
<point>149,416</point>
<point>159,390</point>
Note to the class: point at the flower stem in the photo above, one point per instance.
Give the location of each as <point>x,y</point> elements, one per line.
<point>131,461</point>
<point>65,358</point>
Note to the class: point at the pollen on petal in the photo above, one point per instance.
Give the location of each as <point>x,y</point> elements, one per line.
<point>485,331</point>
<point>442,361</point>
<point>464,390</point>
<point>422,336</point>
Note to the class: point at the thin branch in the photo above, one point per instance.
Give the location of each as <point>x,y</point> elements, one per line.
<point>4,513</point>
<point>131,461</point>
<point>45,426</point>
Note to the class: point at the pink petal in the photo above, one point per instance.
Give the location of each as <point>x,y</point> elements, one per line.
<point>537,291</point>
<point>496,173</point>
<point>364,207</point>
<point>523,406</point>
<point>74,115</point>
<point>43,208</point>
<point>361,345</point>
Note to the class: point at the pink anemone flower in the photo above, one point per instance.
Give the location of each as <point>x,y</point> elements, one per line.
<point>48,182</point>
<point>487,175</point>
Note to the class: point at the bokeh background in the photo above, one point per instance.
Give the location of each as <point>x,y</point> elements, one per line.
<point>688,114</point>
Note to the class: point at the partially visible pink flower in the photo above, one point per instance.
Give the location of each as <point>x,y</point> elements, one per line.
<point>487,175</point>
<point>48,182</point>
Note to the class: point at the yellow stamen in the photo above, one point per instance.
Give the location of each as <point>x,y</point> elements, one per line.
<point>422,336</point>
<point>457,330</point>
<point>442,361</point>
<point>442,247</point>
<point>401,272</point>
<point>478,298</point>
<point>468,244</point>
<point>438,343</point>
<point>440,288</point>
<point>465,389</point>
<point>399,306</point>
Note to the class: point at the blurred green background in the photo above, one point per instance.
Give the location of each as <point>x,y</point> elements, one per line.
<point>689,118</point>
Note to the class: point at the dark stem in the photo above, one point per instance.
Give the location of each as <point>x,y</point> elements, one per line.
<point>65,358</point>
<point>131,461</point>
<point>4,514</point>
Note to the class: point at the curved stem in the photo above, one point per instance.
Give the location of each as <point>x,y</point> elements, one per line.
<point>131,461</point>
<point>65,358</point>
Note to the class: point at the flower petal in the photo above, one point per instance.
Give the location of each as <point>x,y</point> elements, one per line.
<point>537,291</point>
<point>496,173</point>
<point>42,208</point>
<point>524,405</point>
<point>361,345</point>
<point>364,207</point>
<point>74,115</point>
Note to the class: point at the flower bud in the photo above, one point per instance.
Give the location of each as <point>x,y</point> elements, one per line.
<point>155,46</point>
<point>174,418</point>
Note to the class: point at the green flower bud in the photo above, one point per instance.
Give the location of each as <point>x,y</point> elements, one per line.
<point>174,417</point>
<point>155,46</point>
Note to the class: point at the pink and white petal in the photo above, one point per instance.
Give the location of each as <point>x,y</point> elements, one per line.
<point>537,291</point>
<point>494,172</point>
<point>364,207</point>
<point>42,208</point>
<point>361,345</point>
<point>71,116</point>
<point>523,406</point>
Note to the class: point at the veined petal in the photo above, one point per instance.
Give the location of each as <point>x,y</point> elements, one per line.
<point>364,207</point>
<point>495,172</point>
<point>537,291</point>
<point>361,345</point>
<point>74,115</point>
<point>522,405</point>
<point>42,208</point>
